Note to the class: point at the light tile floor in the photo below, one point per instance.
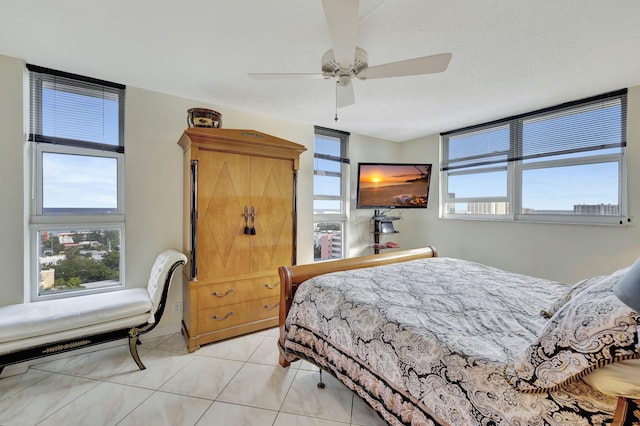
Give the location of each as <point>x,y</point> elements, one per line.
<point>234,382</point>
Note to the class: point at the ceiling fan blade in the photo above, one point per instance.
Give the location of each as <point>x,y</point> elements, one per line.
<point>342,23</point>
<point>345,95</point>
<point>277,76</point>
<point>417,66</point>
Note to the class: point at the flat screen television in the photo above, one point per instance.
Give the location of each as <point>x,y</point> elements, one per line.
<point>393,185</point>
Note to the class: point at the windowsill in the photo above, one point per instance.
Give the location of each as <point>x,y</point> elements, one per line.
<point>617,222</point>
<point>91,288</point>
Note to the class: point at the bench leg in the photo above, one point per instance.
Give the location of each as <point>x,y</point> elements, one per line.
<point>133,348</point>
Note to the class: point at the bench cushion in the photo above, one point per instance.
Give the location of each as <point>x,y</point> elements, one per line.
<point>159,273</point>
<point>52,316</point>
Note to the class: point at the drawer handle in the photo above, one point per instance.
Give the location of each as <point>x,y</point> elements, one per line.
<point>271,287</point>
<point>215,317</point>
<point>215,293</point>
<point>270,308</point>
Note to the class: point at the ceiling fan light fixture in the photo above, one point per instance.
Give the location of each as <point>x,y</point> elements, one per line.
<point>344,80</point>
<point>332,69</point>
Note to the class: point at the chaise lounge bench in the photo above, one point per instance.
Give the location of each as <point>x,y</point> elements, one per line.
<point>34,330</point>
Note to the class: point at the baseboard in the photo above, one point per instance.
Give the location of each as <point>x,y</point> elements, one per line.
<point>161,331</point>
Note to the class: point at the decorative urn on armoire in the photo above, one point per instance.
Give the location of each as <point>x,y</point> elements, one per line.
<point>239,227</point>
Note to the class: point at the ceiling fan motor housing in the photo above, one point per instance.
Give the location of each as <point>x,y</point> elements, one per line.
<point>332,69</point>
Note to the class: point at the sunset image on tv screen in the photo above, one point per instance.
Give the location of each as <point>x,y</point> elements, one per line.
<point>393,185</point>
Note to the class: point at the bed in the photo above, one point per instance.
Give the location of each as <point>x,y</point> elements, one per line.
<point>429,340</point>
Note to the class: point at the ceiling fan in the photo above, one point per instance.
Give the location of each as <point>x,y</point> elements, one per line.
<point>345,60</point>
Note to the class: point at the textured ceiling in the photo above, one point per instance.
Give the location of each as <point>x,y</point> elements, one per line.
<point>508,56</point>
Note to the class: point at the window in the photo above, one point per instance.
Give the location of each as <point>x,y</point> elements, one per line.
<point>77,201</point>
<point>560,164</point>
<point>330,193</point>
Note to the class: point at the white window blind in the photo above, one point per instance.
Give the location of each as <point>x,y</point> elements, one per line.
<point>594,124</point>
<point>74,110</point>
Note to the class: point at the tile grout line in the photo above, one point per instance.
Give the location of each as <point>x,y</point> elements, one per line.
<point>261,347</point>
<point>97,383</point>
<point>105,380</point>
<point>231,380</point>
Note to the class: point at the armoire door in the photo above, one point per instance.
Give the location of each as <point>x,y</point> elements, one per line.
<point>223,193</point>
<point>272,200</point>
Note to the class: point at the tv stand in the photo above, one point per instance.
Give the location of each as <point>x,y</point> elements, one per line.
<point>382,225</point>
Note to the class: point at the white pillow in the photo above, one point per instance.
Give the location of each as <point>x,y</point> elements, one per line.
<point>628,288</point>
<point>621,378</point>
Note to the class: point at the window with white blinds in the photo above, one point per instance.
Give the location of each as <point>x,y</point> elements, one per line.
<point>560,164</point>
<point>330,193</point>
<point>77,196</point>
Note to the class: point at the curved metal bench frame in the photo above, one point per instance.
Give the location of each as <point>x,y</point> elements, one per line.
<point>131,333</point>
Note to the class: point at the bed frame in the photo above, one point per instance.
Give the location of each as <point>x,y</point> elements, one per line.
<point>292,276</point>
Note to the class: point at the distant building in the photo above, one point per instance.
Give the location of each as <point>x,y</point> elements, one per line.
<point>330,246</point>
<point>65,238</point>
<point>47,279</point>
<point>489,207</point>
<point>53,259</point>
<point>597,209</point>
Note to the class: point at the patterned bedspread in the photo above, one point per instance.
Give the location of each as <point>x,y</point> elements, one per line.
<point>427,341</point>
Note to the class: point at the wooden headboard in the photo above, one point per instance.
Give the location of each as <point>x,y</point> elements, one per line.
<point>292,276</point>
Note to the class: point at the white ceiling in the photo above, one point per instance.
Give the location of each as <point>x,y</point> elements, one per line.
<point>509,56</point>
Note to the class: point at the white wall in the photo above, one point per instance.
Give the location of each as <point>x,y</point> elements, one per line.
<point>11,183</point>
<point>564,253</point>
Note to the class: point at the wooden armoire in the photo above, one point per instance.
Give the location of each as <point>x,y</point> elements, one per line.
<point>239,227</point>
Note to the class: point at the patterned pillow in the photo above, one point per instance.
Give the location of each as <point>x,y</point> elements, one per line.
<point>593,329</point>
<point>569,293</point>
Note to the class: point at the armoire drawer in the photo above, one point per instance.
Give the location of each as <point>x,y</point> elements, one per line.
<point>232,292</point>
<point>239,313</point>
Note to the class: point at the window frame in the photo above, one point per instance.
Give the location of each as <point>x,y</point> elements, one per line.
<point>35,230</point>
<point>40,77</point>
<point>37,205</point>
<point>515,167</point>
<point>343,216</point>
<point>40,145</point>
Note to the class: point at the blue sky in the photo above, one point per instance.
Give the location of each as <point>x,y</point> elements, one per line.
<point>72,181</point>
